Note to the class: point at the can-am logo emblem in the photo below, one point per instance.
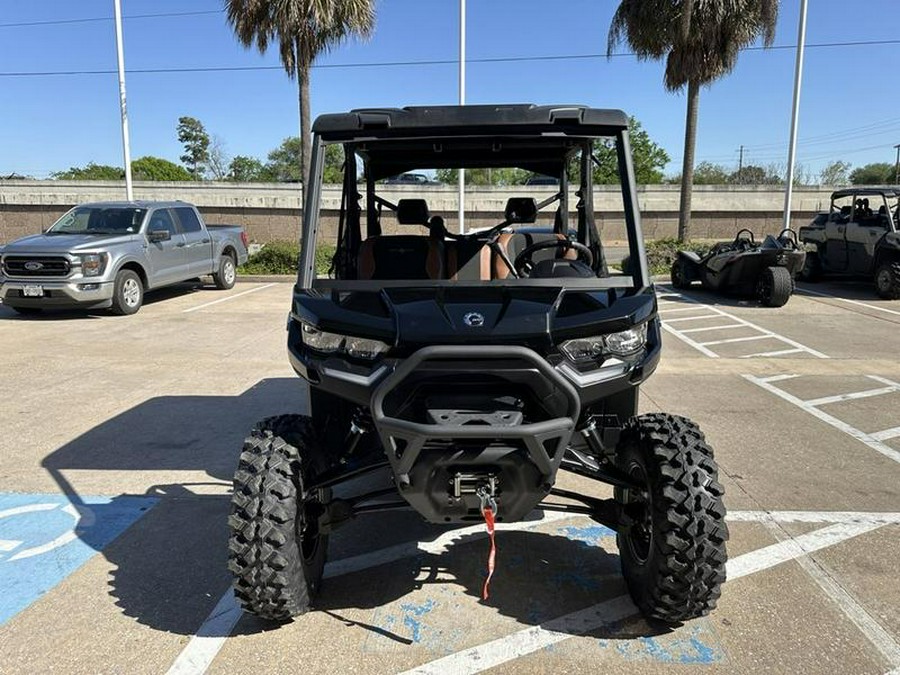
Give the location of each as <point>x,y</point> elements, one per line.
<point>33,266</point>
<point>474,319</point>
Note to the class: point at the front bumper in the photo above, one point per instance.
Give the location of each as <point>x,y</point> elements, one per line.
<point>57,294</point>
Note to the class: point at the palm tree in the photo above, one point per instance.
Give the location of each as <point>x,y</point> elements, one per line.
<point>701,40</point>
<point>303,29</point>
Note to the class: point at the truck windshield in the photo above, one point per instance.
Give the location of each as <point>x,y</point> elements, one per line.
<point>100,220</point>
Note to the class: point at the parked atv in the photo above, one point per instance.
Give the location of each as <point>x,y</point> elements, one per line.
<point>744,267</point>
<point>474,366</point>
<point>859,238</point>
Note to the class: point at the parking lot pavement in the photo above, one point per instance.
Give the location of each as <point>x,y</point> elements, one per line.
<point>121,434</point>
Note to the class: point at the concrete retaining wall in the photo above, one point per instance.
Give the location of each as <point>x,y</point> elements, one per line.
<point>272,211</point>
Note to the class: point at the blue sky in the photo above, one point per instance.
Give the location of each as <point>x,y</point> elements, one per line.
<point>49,123</point>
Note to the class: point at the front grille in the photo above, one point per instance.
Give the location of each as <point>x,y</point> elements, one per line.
<point>35,266</point>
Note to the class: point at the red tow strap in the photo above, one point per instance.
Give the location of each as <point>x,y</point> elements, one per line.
<point>488,513</point>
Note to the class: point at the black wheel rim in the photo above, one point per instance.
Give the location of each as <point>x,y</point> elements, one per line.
<point>764,288</point>
<point>640,534</point>
<point>677,276</point>
<point>308,535</point>
<point>883,280</point>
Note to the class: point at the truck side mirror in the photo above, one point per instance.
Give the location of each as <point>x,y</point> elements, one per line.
<point>158,235</point>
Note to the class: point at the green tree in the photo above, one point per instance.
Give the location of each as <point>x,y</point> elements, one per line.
<point>879,173</point>
<point>648,158</point>
<point>707,173</point>
<point>501,176</point>
<point>193,136</point>
<point>835,173</point>
<point>156,168</point>
<point>246,170</point>
<point>91,172</point>
<point>284,162</point>
<point>333,171</point>
<point>700,40</point>
<point>303,29</point>
<point>755,175</point>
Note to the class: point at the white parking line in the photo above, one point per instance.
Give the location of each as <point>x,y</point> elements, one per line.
<point>747,338</point>
<point>847,300</point>
<point>846,603</point>
<point>825,400</point>
<point>530,640</point>
<point>734,322</point>
<point>852,431</point>
<point>886,435</point>
<point>230,297</point>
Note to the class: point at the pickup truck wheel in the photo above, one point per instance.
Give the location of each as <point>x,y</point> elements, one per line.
<point>275,550</point>
<point>774,287</point>
<point>226,275</point>
<point>673,554</point>
<point>128,293</point>
<point>887,280</point>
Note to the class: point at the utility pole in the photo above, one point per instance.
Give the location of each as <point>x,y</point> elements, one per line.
<point>741,165</point>
<point>462,101</point>
<point>897,166</point>
<point>120,53</point>
<point>795,113</point>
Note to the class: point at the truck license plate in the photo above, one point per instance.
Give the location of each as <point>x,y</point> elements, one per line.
<point>33,291</point>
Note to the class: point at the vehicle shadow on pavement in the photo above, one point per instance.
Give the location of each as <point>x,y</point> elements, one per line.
<point>169,567</point>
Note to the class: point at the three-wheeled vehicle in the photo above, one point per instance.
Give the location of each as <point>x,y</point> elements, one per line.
<point>744,267</point>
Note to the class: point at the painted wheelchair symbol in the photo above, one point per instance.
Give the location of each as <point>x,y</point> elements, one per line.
<point>80,519</point>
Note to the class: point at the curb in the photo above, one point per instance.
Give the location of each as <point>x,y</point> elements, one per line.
<point>269,278</point>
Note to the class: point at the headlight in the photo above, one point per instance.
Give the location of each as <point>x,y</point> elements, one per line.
<point>322,341</point>
<point>92,264</point>
<point>624,343</point>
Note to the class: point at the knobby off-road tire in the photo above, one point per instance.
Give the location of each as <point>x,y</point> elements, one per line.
<point>226,274</point>
<point>275,550</point>
<point>128,293</point>
<point>678,275</point>
<point>673,557</point>
<point>775,286</point>
<point>887,280</point>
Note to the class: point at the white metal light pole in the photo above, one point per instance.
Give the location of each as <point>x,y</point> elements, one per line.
<point>795,113</point>
<point>462,101</point>
<point>126,150</point>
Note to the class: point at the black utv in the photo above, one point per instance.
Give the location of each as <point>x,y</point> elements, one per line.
<point>470,367</point>
<point>860,237</point>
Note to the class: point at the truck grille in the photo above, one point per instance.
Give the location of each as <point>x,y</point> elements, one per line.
<point>35,266</point>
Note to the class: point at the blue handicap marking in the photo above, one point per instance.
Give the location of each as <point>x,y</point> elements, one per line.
<point>691,645</point>
<point>45,538</point>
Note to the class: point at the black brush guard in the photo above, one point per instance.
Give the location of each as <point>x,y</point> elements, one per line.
<point>513,451</point>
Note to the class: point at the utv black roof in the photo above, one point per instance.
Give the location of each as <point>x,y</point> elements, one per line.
<point>537,138</point>
<point>471,120</point>
<point>866,192</point>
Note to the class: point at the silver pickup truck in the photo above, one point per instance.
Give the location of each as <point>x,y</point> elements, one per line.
<point>107,254</point>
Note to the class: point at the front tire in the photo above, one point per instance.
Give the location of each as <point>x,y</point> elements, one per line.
<point>128,293</point>
<point>225,276</point>
<point>678,275</point>
<point>673,555</point>
<point>775,286</point>
<point>275,550</point>
<point>887,280</point>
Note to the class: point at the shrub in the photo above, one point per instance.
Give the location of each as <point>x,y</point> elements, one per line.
<point>282,257</point>
<point>661,253</point>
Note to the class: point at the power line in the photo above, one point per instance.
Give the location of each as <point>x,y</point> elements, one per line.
<point>394,64</point>
<point>93,19</point>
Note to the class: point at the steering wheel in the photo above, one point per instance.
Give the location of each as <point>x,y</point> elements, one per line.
<point>743,243</point>
<point>788,238</point>
<point>523,263</point>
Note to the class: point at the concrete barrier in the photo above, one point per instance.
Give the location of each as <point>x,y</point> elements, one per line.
<point>273,211</point>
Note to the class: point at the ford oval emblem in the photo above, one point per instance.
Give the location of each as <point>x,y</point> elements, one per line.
<point>474,319</point>
<point>33,266</point>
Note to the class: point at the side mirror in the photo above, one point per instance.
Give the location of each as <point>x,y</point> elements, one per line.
<point>158,235</point>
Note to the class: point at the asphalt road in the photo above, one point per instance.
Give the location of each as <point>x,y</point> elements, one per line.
<point>120,435</point>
